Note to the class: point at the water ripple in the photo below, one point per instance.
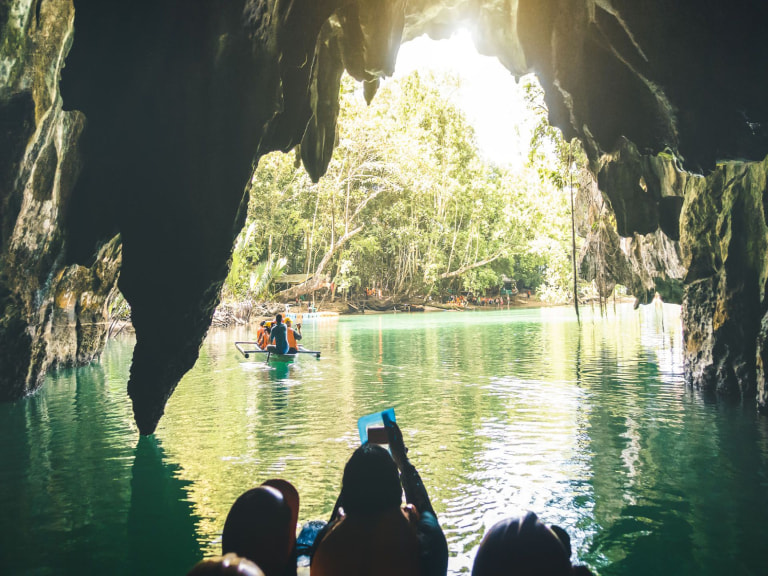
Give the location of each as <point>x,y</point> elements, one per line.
<point>589,426</point>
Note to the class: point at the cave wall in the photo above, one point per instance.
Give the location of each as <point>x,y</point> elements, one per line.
<point>685,75</point>
<point>176,112</point>
<point>51,313</point>
<point>718,269</point>
<point>646,260</point>
<point>724,240</point>
<point>182,96</point>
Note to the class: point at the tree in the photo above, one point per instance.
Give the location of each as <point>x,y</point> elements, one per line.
<point>556,161</point>
<point>408,205</point>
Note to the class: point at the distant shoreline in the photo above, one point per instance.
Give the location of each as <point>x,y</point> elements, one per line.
<point>233,314</point>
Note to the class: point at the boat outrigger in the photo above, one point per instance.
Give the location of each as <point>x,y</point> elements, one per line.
<point>248,348</point>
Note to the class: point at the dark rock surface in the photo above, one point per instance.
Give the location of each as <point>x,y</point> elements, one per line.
<point>51,314</point>
<point>621,245</point>
<point>181,96</point>
<point>724,239</point>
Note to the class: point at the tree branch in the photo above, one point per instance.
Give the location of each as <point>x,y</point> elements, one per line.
<point>315,283</point>
<point>460,271</point>
<point>364,203</point>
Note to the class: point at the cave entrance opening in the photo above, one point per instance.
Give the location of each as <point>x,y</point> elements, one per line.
<point>449,188</point>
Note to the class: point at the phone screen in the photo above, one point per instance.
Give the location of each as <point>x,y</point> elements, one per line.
<point>378,435</point>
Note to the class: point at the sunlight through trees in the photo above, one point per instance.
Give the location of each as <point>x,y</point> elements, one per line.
<point>410,206</point>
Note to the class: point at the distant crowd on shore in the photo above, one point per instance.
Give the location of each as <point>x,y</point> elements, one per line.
<point>497,301</point>
<point>371,532</point>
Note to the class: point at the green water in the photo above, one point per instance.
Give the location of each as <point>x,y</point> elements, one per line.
<point>503,412</point>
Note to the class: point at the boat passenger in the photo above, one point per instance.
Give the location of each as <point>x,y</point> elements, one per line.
<point>526,547</point>
<point>260,527</point>
<point>261,335</point>
<point>292,336</point>
<point>228,565</point>
<point>369,532</point>
<point>277,337</point>
<point>264,340</point>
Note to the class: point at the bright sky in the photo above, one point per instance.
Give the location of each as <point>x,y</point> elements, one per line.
<point>489,95</point>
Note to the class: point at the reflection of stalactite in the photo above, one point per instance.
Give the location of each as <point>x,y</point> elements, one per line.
<point>161,525</point>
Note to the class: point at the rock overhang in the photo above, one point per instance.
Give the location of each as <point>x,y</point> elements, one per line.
<point>181,97</point>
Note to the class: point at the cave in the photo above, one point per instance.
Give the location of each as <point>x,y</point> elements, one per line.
<point>129,132</point>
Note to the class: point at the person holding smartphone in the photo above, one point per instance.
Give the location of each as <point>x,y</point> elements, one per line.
<point>370,532</point>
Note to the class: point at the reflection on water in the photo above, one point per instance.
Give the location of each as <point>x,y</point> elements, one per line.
<point>590,426</point>
<point>161,525</point>
<point>79,496</point>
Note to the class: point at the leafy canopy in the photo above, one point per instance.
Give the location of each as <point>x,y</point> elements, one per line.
<point>408,205</point>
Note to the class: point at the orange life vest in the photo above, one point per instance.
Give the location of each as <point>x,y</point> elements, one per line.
<point>261,337</point>
<point>291,335</point>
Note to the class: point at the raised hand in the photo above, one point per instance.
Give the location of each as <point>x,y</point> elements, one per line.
<point>396,444</point>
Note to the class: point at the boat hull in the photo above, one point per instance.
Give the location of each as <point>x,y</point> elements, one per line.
<point>249,348</point>
<point>273,357</point>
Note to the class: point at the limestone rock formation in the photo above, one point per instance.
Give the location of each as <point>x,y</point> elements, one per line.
<point>634,238</point>
<point>184,95</point>
<point>51,313</point>
<point>724,240</point>
<point>645,264</point>
<point>181,97</point>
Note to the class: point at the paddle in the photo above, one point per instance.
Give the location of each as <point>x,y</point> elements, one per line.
<point>303,350</point>
<point>247,352</point>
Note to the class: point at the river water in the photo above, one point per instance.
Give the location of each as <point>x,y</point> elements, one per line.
<point>590,426</point>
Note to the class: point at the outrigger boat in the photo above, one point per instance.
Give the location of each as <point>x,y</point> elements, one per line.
<point>248,348</point>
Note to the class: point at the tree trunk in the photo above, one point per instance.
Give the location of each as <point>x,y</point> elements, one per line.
<point>311,242</point>
<point>317,281</point>
<point>573,237</point>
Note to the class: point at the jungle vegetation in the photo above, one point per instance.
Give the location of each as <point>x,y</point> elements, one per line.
<point>409,207</point>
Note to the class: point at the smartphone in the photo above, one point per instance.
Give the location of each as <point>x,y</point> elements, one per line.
<point>378,435</point>
<point>373,421</point>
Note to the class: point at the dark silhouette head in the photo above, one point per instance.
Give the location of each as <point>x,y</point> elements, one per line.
<point>229,565</point>
<point>291,498</point>
<point>524,547</point>
<point>371,483</point>
<point>262,323</point>
<point>258,527</point>
<point>279,319</point>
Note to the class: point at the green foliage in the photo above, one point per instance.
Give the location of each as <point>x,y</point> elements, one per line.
<point>562,165</point>
<point>263,276</point>
<point>408,205</point>
<point>118,308</point>
<point>248,278</point>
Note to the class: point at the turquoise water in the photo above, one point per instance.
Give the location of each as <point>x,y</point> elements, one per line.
<point>591,427</point>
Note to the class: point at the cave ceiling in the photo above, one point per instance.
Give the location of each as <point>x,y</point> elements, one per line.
<point>180,98</point>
